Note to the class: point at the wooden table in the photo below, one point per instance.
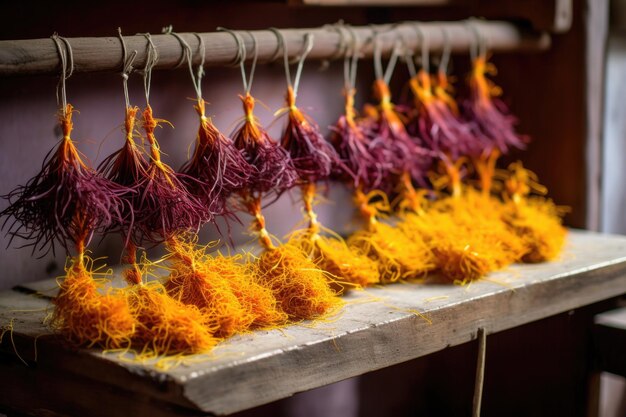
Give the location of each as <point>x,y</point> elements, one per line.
<point>377,328</point>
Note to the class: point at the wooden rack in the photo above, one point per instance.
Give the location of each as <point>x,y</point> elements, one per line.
<point>104,54</point>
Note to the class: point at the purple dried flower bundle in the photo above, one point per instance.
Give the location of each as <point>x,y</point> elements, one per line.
<point>217,168</point>
<point>128,167</point>
<point>161,206</point>
<point>436,123</point>
<point>274,170</point>
<point>361,166</point>
<point>449,137</point>
<point>66,202</point>
<point>166,208</point>
<point>490,115</point>
<point>492,120</point>
<point>389,139</point>
<point>313,157</point>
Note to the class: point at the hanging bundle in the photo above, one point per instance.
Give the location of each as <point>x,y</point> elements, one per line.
<point>163,211</point>
<point>362,166</point>
<point>314,160</point>
<point>493,123</point>
<point>397,255</point>
<point>67,202</point>
<point>216,168</point>
<point>300,287</point>
<point>82,313</point>
<point>435,121</point>
<point>219,286</point>
<point>465,233</point>
<point>162,206</point>
<point>274,171</point>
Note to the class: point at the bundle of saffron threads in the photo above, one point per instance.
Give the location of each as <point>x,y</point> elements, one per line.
<point>217,166</point>
<point>489,116</point>
<point>82,202</point>
<point>165,326</point>
<point>215,284</point>
<point>163,210</point>
<point>274,172</point>
<point>465,235</point>
<point>435,122</point>
<point>314,160</point>
<point>162,206</point>
<point>66,203</point>
<point>466,240</point>
<point>172,209</point>
<point>197,279</point>
<point>300,287</point>
<point>361,169</point>
<point>535,220</point>
<point>365,164</point>
<point>397,255</point>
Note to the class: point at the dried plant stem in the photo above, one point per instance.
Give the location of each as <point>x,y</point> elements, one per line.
<point>486,168</point>
<point>308,195</point>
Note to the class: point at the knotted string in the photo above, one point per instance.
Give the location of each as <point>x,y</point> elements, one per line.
<point>198,74</point>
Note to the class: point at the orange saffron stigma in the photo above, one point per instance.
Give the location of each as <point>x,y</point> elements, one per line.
<point>299,286</point>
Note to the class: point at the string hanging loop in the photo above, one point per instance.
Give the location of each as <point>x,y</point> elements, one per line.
<point>308,46</point>
<point>152,57</point>
<point>196,76</point>
<point>64,49</point>
<point>127,65</point>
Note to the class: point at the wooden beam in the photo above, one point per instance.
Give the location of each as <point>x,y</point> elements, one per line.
<point>40,56</point>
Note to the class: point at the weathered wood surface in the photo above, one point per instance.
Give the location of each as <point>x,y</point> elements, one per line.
<point>377,328</point>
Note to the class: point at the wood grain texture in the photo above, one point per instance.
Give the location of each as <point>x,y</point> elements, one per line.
<point>37,56</point>
<point>377,328</point>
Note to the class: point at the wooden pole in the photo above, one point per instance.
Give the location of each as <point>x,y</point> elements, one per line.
<point>480,372</point>
<point>104,54</point>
